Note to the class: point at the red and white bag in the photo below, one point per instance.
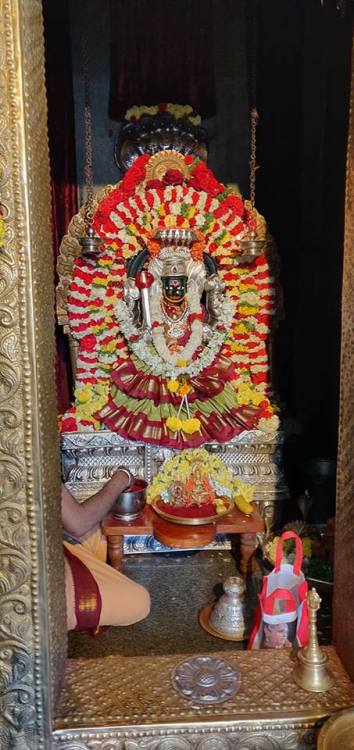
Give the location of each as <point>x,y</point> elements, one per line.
<point>283,598</point>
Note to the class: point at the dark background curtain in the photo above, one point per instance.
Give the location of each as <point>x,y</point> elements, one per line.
<point>161,51</point>
<point>303,83</point>
<point>62,155</point>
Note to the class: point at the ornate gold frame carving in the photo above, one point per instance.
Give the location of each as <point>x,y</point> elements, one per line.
<point>32,626</point>
<point>344,586</point>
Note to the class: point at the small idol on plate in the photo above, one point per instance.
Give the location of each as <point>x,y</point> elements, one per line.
<point>197,485</point>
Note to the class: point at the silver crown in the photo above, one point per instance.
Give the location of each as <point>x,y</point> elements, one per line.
<point>176,237</point>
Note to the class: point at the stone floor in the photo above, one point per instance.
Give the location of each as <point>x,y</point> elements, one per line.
<point>180,584</point>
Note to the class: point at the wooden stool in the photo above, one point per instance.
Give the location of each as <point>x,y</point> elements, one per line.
<point>179,536</point>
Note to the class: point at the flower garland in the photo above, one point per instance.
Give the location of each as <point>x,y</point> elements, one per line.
<point>195,339</point>
<point>138,207</point>
<point>126,219</point>
<point>171,366</point>
<point>179,111</point>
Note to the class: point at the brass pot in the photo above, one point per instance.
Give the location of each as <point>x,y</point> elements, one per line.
<point>131,503</point>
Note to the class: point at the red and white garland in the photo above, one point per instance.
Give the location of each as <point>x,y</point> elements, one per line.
<point>126,220</point>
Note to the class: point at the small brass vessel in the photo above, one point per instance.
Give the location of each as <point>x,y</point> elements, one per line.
<point>338,732</point>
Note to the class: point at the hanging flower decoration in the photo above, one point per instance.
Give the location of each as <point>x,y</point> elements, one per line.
<point>127,219</point>
<point>178,111</point>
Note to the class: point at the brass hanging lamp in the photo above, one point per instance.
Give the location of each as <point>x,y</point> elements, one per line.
<point>90,243</point>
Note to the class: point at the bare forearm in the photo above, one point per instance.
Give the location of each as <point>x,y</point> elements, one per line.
<point>79,518</point>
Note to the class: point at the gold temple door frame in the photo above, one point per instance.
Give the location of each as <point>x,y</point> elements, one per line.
<point>32,601</point>
<point>32,623</point>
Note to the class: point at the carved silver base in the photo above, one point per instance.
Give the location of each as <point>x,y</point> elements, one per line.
<point>89,458</point>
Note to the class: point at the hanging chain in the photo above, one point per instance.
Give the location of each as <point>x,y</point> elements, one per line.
<point>253,98</point>
<point>253,159</point>
<point>88,171</point>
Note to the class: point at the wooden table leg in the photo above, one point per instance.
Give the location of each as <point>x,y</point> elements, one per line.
<point>248,546</point>
<point>115,551</point>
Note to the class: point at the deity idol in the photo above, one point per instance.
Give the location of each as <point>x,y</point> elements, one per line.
<point>171,320</point>
<point>177,389</point>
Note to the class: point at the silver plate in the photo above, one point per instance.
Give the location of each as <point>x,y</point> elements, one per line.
<point>206,679</point>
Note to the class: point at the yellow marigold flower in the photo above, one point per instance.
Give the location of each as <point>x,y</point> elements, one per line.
<point>173,386</point>
<point>97,281</point>
<point>170,221</point>
<point>174,424</point>
<point>306,546</point>
<point>246,491</point>
<point>132,228</point>
<point>102,388</point>
<point>244,394</point>
<point>226,238</point>
<point>83,394</point>
<point>110,347</point>
<point>243,287</point>
<point>245,310</point>
<point>257,398</point>
<point>241,328</point>
<point>162,211</point>
<point>191,425</point>
<point>181,363</point>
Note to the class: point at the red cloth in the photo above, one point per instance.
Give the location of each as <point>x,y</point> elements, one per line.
<point>88,602</point>
<point>62,155</point>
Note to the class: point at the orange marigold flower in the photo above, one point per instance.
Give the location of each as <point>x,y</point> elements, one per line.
<point>184,389</point>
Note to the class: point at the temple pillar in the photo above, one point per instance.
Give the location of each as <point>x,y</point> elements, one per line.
<point>343,612</point>
<point>32,626</point>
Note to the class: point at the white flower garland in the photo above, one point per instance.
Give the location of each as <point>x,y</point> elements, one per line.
<point>195,339</point>
<point>147,352</point>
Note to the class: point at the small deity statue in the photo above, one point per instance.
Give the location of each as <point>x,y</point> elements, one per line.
<point>199,489</point>
<point>176,494</point>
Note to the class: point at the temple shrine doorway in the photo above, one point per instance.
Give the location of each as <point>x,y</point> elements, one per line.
<point>33,657</point>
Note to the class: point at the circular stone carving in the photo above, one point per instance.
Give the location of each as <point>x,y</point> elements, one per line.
<point>258,742</point>
<point>206,679</point>
<point>213,743</point>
